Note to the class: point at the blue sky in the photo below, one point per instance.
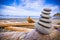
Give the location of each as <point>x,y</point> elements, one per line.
<point>28,7</point>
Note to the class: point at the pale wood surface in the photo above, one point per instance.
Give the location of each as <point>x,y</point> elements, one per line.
<point>16,24</point>
<point>19,29</point>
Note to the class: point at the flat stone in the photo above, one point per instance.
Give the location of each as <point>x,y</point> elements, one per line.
<point>47,9</point>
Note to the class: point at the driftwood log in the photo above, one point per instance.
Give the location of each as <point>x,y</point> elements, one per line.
<point>32,35</point>
<point>18,29</point>
<point>17,24</point>
<point>30,20</point>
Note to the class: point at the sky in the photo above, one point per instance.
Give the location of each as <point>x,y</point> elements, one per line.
<point>28,7</point>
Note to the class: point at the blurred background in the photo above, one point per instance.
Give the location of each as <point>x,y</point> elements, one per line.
<point>25,8</point>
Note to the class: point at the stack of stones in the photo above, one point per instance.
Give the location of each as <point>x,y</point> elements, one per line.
<point>44,24</point>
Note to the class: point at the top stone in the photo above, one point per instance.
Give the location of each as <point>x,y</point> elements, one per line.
<point>47,9</point>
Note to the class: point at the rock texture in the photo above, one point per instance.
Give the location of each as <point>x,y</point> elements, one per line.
<point>44,23</point>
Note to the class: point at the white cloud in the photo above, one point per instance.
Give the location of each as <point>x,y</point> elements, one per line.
<point>30,8</point>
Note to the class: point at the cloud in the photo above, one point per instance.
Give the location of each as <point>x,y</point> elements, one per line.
<point>30,8</point>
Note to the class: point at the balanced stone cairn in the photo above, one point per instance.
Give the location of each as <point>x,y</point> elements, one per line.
<point>44,24</point>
